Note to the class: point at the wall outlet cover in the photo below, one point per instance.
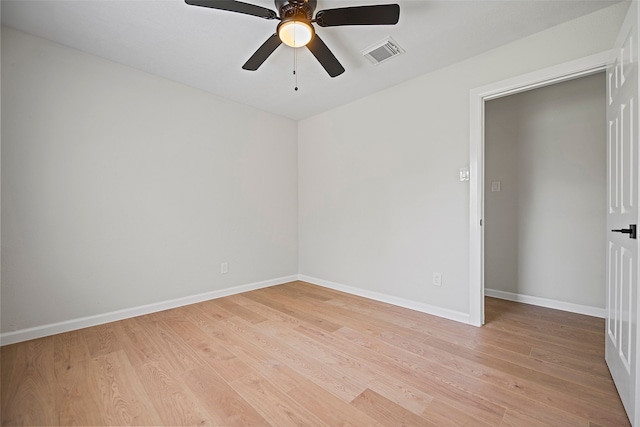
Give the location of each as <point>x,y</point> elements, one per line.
<point>437,279</point>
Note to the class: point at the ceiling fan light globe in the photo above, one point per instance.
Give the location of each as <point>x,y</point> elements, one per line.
<point>295,33</point>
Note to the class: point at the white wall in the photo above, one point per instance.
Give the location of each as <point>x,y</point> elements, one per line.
<point>545,229</point>
<point>381,207</point>
<point>121,189</point>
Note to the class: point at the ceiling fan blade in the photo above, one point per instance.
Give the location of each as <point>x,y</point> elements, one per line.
<point>383,14</point>
<point>235,6</point>
<point>322,53</point>
<point>262,53</point>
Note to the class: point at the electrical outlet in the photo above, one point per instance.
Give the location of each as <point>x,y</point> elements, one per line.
<point>437,279</point>
<point>224,268</point>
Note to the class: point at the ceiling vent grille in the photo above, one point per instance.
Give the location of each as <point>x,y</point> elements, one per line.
<point>382,51</point>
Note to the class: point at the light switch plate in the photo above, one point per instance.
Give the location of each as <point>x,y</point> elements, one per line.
<point>495,187</point>
<point>464,174</point>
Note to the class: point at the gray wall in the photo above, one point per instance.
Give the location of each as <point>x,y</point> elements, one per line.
<point>121,189</point>
<point>545,229</point>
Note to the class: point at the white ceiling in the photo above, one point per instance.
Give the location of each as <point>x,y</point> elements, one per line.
<point>206,48</point>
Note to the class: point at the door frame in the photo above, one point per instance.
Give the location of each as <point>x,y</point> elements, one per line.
<point>477,97</point>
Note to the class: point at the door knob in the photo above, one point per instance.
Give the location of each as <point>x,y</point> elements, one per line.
<point>631,231</point>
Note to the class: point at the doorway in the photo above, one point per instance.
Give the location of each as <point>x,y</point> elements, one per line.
<point>560,73</point>
<point>545,187</point>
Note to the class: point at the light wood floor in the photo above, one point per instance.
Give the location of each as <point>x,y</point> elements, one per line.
<point>298,354</point>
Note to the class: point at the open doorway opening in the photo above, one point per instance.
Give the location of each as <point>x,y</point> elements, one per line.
<point>544,196</point>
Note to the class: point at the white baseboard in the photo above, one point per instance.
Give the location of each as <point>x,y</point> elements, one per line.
<point>400,302</point>
<point>548,303</point>
<point>99,319</point>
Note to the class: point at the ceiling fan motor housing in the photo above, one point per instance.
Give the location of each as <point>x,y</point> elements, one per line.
<point>296,9</point>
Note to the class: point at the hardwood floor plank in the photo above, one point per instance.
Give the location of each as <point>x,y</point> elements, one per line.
<point>228,305</point>
<point>386,412</point>
<point>70,339</point>
<point>334,382</point>
<point>30,389</point>
<point>274,405</point>
<point>174,402</point>
<point>332,410</point>
<point>560,338</point>
<point>298,289</point>
<point>472,338</point>
<point>269,367</point>
<point>284,319</point>
<point>136,343</point>
<point>101,339</point>
<point>376,379</point>
<point>181,357</point>
<point>216,355</point>
<point>77,400</point>
<point>224,405</point>
<point>212,309</point>
<point>337,360</point>
<point>337,314</point>
<point>444,415</point>
<point>309,294</point>
<point>515,419</point>
<point>123,397</point>
<point>293,311</point>
<point>408,397</point>
<point>588,365</point>
<point>500,309</point>
<point>8,358</point>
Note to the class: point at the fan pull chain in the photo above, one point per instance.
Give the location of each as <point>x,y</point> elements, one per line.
<point>295,63</point>
<point>295,66</point>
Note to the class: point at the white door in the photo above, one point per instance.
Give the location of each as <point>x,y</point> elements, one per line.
<point>622,216</point>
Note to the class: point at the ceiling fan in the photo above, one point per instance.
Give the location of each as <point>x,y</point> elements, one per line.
<point>296,30</point>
